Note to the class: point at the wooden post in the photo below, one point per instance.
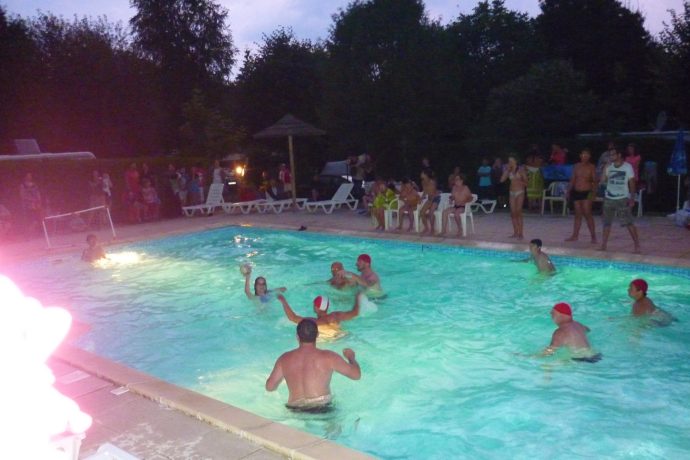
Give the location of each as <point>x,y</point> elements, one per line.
<point>292,174</point>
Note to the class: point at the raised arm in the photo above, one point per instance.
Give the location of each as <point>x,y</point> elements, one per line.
<point>348,315</point>
<point>276,376</point>
<point>292,316</point>
<point>356,278</point>
<point>350,368</point>
<point>247,287</point>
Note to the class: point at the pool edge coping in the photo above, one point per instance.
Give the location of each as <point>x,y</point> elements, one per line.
<point>275,436</point>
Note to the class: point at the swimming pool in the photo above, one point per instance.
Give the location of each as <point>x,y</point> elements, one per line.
<point>441,377</point>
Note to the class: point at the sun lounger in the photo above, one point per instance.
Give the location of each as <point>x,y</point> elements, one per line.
<point>213,200</point>
<point>342,196</point>
<point>245,207</point>
<point>278,206</point>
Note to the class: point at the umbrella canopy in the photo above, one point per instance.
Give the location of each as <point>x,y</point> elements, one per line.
<point>290,126</point>
<point>679,162</point>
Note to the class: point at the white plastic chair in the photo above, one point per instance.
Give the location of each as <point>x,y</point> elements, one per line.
<point>467,213</point>
<point>438,214</point>
<point>638,200</point>
<point>213,200</point>
<point>555,192</point>
<point>391,216</point>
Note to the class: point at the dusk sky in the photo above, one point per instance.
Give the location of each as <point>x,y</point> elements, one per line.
<point>249,19</point>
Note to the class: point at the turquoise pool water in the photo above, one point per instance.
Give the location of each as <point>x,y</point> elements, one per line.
<point>443,368</point>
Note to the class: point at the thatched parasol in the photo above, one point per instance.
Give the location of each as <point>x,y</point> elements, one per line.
<point>290,126</point>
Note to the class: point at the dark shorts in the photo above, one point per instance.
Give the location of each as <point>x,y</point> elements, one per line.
<point>617,207</point>
<point>436,199</point>
<point>326,408</point>
<point>577,195</point>
<point>589,359</point>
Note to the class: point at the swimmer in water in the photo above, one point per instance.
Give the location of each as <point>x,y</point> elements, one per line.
<point>540,259</point>
<point>570,334</point>
<point>643,305</point>
<point>261,290</point>
<point>328,323</point>
<point>93,251</point>
<point>339,280</point>
<point>308,371</point>
<point>368,277</point>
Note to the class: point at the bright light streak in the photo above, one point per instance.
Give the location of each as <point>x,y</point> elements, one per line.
<point>33,411</point>
<point>119,258</point>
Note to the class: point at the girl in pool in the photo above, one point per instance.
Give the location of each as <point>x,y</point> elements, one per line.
<point>518,183</point>
<point>261,291</point>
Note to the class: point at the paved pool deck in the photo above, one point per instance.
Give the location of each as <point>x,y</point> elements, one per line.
<point>157,420</point>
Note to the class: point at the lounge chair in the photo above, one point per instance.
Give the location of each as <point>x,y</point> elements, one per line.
<point>342,196</point>
<point>278,206</point>
<point>245,207</point>
<point>214,200</point>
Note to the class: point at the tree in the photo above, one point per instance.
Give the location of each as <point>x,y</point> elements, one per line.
<point>675,39</point>
<point>390,85</point>
<point>74,85</point>
<point>206,131</point>
<point>607,43</point>
<point>18,63</point>
<point>551,100</point>
<point>282,76</point>
<point>493,45</point>
<point>190,42</point>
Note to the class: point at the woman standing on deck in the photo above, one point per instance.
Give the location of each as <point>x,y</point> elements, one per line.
<point>518,183</point>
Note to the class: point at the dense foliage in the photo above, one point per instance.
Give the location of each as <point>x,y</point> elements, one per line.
<point>388,80</point>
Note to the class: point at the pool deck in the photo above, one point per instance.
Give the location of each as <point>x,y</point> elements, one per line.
<point>157,420</point>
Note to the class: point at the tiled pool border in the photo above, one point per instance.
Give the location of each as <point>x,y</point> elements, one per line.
<point>285,440</point>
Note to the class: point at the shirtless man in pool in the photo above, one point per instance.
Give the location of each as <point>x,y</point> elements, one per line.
<point>368,278</point>
<point>324,319</point>
<point>339,280</point>
<point>570,334</point>
<point>308,371</point>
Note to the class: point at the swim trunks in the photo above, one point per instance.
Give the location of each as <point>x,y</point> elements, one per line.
<point>589,359</point>
<point>578,195</point>
<point>316,405</point>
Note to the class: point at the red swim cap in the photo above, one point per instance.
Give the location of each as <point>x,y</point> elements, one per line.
<point>365,258</point>
<point>641,285</point>
<point>563,308</point>
<point>322,303</point>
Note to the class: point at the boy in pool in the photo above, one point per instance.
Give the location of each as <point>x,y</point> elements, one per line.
<point>328,323</point>
<point>570,334</point>
<point>540,259</point>
<point>339,280</point>
<point>308,371</point>
<point>261,290</point>
<point>93,251</point>
<point>643,305</point>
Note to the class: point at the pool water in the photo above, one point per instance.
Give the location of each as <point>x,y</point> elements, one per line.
<point>446,371</point>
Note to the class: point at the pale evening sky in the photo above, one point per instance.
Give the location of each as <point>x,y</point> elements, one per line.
<point>249,19</point>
